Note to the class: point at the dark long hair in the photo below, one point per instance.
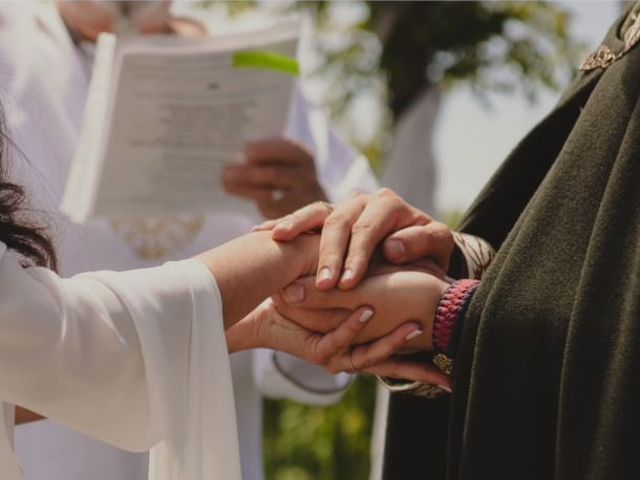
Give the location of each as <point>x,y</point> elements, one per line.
<point>17,230</point>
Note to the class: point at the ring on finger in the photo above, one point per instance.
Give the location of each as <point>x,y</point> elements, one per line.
<point>277,195</point>
<point>350,357</point>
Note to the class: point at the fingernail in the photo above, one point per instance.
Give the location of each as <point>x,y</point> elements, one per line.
<point>284,225</point>
<point>347,275</point>
<point>293,293</point>
<point>414,334</point>
<point>325,274</point>
<point>366,315</point>
<point>445,388</point>
<point>395,249</point>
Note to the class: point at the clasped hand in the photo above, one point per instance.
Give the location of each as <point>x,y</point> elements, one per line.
<point>358,312</point>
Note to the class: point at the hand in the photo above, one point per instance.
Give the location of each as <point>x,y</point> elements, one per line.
<point>277,174</point>
<point>266,327</point>
<point>397,297</point>
<point>355,228</point>
<point>252,267</point>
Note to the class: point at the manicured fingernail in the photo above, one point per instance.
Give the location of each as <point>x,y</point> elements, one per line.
<point>395,249</point>
<point>414,334</point>
<point>347,275</point>
<point>293,293</point>
<point>284,225</point>
<point>324,274</point>
<point>366,315</point>
<point>445,388</point>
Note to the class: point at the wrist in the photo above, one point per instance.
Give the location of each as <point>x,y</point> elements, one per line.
<point>249,333</point>
<point>449,315</point>
<point>304,254</point>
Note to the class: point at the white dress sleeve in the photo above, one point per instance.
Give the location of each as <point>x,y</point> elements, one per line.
<point>137,359</point>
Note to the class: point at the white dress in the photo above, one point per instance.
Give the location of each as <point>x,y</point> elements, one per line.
<point>43,84</point>
<point>136,359</point>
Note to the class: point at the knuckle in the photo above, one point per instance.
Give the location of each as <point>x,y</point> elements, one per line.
<point>387,193</point>
<point>361,227</point>
<point>359,195</point>
<point>336,220</point>
<point>292,217</point>
<point>420,218</point>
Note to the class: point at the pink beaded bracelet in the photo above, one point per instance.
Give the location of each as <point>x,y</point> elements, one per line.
<point>450,310</point>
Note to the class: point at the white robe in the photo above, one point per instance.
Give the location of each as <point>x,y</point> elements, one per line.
<point>137,359</point>
<point>43,83</point>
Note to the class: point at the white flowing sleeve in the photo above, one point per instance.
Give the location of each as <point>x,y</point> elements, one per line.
<point>137,359</point>
<point>341,169</point>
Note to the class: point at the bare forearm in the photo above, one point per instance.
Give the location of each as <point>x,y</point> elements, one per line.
<point>252,267</point>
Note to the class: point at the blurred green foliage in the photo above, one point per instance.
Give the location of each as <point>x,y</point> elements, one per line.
<point>492,45</point>
<point>306,443</point>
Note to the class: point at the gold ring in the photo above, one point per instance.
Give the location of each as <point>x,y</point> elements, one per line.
<point>353,367</point>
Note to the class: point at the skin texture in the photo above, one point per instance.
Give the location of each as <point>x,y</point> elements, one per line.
<point>275,164</point>
<point>250,268</point>
<point>353,231</point>
<point>396,297</point>
<point>266,327</point>
<point>253,267</point>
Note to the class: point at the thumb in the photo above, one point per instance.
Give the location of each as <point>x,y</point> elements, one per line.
<point>413,243</point>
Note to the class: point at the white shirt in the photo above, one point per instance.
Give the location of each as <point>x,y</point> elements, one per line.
<point>137,359</point>
<point>43,81</point>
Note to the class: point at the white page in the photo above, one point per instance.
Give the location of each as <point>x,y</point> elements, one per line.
<point>179,113</point>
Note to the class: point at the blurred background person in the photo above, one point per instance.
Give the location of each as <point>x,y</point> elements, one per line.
<point>46,57</point>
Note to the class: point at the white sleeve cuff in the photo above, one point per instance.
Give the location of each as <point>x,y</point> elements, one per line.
<point>279,375</point>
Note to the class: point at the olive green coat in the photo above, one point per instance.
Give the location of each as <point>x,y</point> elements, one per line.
<point>547,378</point>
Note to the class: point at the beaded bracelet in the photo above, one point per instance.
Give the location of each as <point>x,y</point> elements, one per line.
<point>451,308</point>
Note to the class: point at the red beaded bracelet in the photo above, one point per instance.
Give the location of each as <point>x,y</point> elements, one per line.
<point>450,310</point>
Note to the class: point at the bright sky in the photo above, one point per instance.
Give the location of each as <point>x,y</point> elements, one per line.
<point>471,141</point>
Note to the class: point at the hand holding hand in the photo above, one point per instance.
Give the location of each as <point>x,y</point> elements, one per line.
<point>268,328</point>
<point>279,175</point>
<point>403,295</point>
<point>352,231</point>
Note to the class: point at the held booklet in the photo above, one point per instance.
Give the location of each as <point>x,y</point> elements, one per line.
<point>165,114</point>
